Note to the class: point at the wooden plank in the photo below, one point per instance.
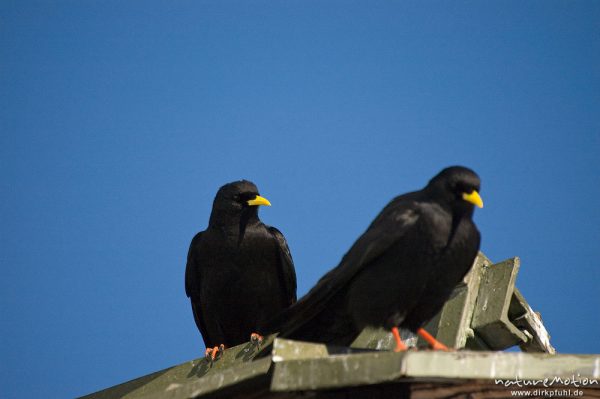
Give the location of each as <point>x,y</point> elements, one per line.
<point>523,317</point>
<point>490,317</point>
<point>381,339</point>
<point>199,375</point>
<point>452,326</point>
<point>292,373</point>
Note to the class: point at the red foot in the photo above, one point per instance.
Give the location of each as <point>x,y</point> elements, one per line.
<point>435,344</point>
<point>208,353</point>
<point>211,353</point>
<point>256,339</point>
<point>400,346</point>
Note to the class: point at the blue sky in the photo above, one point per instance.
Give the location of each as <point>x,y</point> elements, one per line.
<point>120,120</point>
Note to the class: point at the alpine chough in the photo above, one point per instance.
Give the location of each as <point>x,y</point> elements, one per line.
<point>239,271</point>
<point>399,272</point>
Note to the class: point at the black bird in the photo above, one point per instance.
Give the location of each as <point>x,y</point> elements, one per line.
<point>399,272</point>
<point>239,271</point>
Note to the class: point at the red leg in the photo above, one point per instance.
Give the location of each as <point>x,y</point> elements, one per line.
<point>435,344</point>
<point>399,344</point>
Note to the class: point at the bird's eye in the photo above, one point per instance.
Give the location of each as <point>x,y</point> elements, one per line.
<point>244,197</point>
<point>462,188</point>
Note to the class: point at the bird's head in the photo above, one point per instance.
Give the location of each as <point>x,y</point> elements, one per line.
<point>458,188</point>
<point>236,199</point>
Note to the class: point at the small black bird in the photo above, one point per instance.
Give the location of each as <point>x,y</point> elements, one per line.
<point>399,272</point>
<point>239,271</point>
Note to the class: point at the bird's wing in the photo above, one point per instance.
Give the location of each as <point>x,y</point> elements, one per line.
<point>287,271</point>
<point>192,280</point>
<point>395,221</point>
<point>192,288</point>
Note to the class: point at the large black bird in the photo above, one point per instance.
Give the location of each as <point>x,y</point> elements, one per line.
<point>239,271</point>
<point>399,272</point>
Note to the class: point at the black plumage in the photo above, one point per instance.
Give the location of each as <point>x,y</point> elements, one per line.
<point>239,271</point>
<point>400,271</point>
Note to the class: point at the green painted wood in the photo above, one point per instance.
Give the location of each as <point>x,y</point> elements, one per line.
<point>490,317</point>
<point>381,339</point>
<point>336,371</point>
<point>301,366</point>
<point>292,373</point>
<point>530,322</point>
<point>234,366</point>
<point>245,377</point>
<point>452,326</point>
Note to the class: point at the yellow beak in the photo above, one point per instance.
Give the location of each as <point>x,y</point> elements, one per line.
<point>259,201</point>
<point>474,198</point>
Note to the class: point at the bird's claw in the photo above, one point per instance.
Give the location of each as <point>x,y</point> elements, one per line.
<point>400,345</point>
<point>208,354</point>
<point>256,339</point>
<point>212,354</point>
<point>433,343</point>
<point>400,348</point>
